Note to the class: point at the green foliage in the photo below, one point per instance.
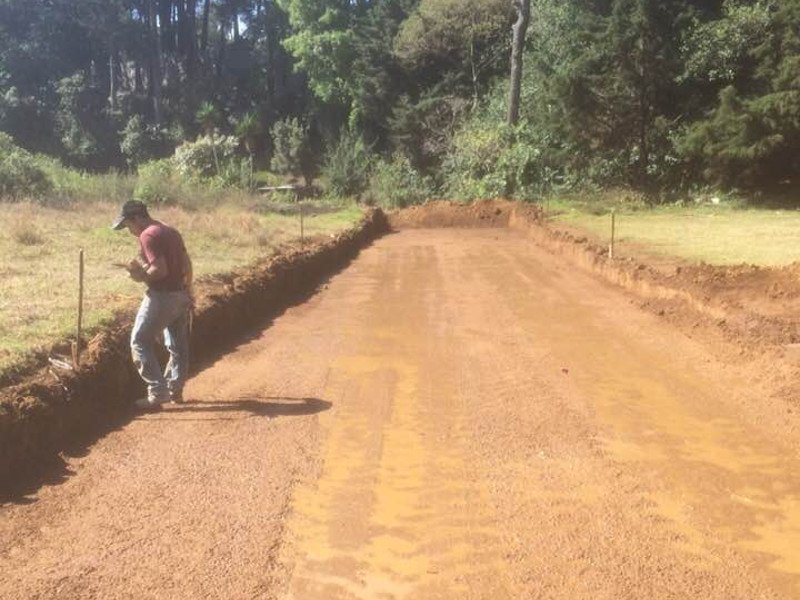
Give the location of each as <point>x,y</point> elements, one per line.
<point>719,51</point>
<point>395,184</point>
<point>377,76</point>
<point>733,145</point>
<point>141,142</point>
<point>198,159</point>
<point>348,164</point>
<point>248,128</point>
<point>156,182</point>
<point>290,146</point>
<point>628,93</point>
<point>752,138</point>
<point>423,130</point>
<point>208,117</point>
<point>88,135</point>
<point>468,37</point>
<point>489,159</point>
<point>323,44</point>
<point>20,174</point>
<point>159,182</point>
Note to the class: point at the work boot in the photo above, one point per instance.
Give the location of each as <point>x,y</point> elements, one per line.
<point>148,405</point>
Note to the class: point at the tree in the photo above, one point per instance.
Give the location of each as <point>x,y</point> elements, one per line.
<point>517,46</point>
<point>155,61</point>
<point>464,40</point>
<point>208,118</point>
<point>247,129</point>
<point>752,137</point>
<point>323,44</point>
<point>290,144</point>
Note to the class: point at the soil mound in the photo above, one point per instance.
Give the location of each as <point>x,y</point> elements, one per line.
<point>446,213</point>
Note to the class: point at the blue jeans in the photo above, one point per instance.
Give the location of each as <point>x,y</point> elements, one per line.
<point>167,312</point>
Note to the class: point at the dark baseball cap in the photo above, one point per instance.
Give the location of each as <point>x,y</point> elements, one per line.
<point>132,208</point>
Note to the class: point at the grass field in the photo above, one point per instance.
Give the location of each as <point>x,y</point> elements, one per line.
<point>38,276</point>
<point>715,234</point>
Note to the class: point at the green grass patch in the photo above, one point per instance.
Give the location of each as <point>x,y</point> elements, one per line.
<point>717,234</point>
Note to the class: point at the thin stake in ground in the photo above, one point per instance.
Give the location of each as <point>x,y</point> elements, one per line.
<point>613,233</point>
<point>76,345</point>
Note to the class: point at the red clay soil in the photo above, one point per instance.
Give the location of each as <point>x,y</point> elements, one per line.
<point>461,413</point>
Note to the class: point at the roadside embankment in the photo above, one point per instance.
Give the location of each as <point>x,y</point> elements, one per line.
<point>51,411</point>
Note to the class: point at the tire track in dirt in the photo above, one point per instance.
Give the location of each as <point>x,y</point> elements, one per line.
<point>397,511</point>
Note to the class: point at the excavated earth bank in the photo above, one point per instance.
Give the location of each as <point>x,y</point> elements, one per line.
<point>47,412</point>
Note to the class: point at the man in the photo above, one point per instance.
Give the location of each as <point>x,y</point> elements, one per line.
<point>165,267</point>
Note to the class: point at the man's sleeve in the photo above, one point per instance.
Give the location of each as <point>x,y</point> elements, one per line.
<point>151,248</point>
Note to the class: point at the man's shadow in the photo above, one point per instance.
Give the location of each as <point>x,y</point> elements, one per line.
<point>266,406</point>
<point>57,470</point>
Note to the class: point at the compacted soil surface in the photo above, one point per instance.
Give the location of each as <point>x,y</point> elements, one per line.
<point>459,414</point>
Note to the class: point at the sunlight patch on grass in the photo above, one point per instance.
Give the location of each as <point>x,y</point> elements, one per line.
<point>716,235</point>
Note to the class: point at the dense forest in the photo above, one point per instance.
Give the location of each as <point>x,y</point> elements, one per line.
<point>397,100</point>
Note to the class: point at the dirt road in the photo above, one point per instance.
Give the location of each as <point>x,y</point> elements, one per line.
<point>457,415</point>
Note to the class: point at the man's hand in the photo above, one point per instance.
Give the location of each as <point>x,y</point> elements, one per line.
<point>137,271</point>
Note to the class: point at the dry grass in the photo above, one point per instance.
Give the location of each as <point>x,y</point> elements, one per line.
<point>38,277</point>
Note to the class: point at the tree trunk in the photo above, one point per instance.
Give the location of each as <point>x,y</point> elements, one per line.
<point>644,149</point>
<point>112,77</point>
<point>644,110</point>
<point>182,30</point>
<point>223,34</point>
<point>165,24</point>
<point>156,63</point>
<point>191,33</point>
<point>204,38</point>
<point>474,71</point>
<point>518,45</point>
<point>138,82</point>
<point>214,150</point>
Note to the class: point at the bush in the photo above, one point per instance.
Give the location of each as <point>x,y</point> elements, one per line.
<point>157,183</point>
<point>142,142</point>
<point>489,159</point>
<point>289,141</point>
<point>69,185</point>
<point>396,184</point>
<point>206,157</point>
<point>347,167</point>
<point>20,174</point>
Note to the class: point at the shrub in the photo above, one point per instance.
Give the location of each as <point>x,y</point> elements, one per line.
<point>347,167</point>
<point>157,183</point>
<point>70,185</point>
<point>488,160</point>
<point>20,174</point>
<point>396,184</point>
<point>142,142</point>
<point>201,157</point>
<point>289,141</point>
